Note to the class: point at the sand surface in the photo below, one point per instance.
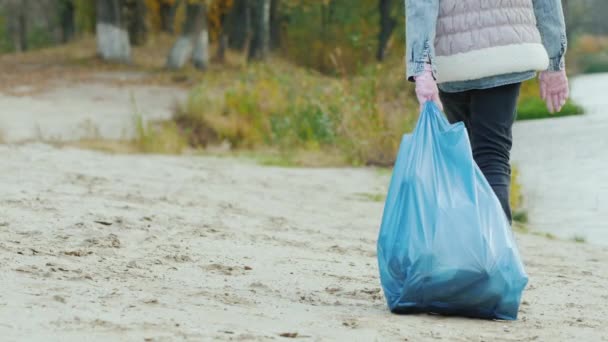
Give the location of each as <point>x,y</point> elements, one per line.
<point>97,247</point>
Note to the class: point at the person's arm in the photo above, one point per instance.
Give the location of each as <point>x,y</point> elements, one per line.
<point>551,24</point>
<point>421,22</point>
<point>553,82</point>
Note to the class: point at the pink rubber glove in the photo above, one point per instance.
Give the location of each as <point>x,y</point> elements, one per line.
<point>554,89</point>
<point>426,88</point>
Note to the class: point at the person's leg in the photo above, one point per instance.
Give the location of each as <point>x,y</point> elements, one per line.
<point>493,112</point>
<point>457,107</point>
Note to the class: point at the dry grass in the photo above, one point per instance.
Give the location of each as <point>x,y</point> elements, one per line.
<point>106,146</point>
<point>589,44</point>
<point>289,108</point>
<point>588,54</point>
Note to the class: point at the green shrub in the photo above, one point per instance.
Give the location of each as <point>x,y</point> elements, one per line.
<point>337,37</point>
<point>596,63</point>
<point>579,239</point>
<point>531,106</point>
<point>158,137</point>
<point>85,16</point>
<point>290,108</point>
<point>5,43</point>
<point>306,122</point>
<point>535,108</point>
<point>39,37</point>
<point>520,216</point>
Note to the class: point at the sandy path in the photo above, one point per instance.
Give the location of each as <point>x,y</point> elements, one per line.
<point>217,249</point>
<point>74,111</point>
<point>564,166</point>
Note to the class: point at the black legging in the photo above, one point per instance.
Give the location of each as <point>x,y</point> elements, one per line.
<point>488,115</point>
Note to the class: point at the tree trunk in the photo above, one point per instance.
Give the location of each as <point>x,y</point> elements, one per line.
<point>183,48</point>
<point>275,25</point>
<point>17,24</point>
<point>22,32</point>
<point>222,40</point>
<point>260,15</point>
<point>324,17</point>
<point>239,25</point>
<point>167,16</point>
<point>112,37</point>
<point>387,25</point>
<point>221,48</point>
<point>200,57</point>
<point>572,22</point>
<point>163,12</point>
<point>136,19</point>
<point>68,20</point>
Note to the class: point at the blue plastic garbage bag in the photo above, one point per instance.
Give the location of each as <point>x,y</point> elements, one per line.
<point>445,245</point>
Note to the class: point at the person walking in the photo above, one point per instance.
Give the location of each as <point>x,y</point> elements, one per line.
<point>471,56</point>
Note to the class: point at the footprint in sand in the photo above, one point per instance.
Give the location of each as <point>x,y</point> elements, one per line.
<point>228,270</point>
<point>109,241</point>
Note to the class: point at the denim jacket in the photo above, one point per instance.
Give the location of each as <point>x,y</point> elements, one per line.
<point>421,24</point>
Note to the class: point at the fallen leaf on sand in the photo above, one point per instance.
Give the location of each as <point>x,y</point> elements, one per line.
<point>289,335</point>
<point>59,299</point>
<point>77,253</point>
<point>105,223</point>
<point>109,241</point>
<point>332,290</point>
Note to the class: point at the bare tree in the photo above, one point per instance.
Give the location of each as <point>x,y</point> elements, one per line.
<point>200,57</point>
<point>239,25</point>
<point>17,23</point>
<point>167,15</point>
<point>193,41</point>
<point>136,13</point>
<point>67,20</point>
<point>275,24</point>
<point>260,40</point>
<point>112,36</point>
<point>387,25</point>
<point>222,42</point>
